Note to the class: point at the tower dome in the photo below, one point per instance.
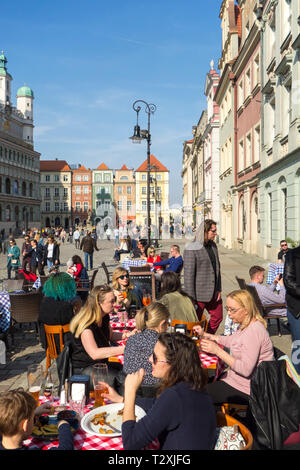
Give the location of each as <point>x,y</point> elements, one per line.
<point>25,91</point>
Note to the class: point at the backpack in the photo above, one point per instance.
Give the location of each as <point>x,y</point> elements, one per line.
<point>84,277</point>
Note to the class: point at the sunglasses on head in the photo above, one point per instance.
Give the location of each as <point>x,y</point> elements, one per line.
<point>124,276</point>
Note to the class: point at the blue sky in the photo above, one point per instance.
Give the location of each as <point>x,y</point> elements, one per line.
<point>87,62</point>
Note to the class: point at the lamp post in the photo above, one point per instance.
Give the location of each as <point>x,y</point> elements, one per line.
<point>137,137</point>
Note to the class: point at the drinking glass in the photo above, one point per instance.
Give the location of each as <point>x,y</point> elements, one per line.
<point>100,374</point>
<point>35,379</point>
<point>124,294</point>
<point>78,406</point>
<point>146,299</point>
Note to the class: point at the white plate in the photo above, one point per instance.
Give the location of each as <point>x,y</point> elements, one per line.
<point>112,417</point>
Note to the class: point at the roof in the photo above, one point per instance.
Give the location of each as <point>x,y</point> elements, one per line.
<point>102,167</point>
<point>54,165</point>
<point>153,163</point>
<point>80,168</point>
<point>189,141</point>
<point>25,91</point>
<point>124,167</point>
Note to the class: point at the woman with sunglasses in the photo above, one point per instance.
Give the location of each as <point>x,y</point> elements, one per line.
<point>92,335</point>
<point>249,346</point>
<point>124,289</point>
<point>182,415</point>
<point>152,257</point>
<point>13,258</point>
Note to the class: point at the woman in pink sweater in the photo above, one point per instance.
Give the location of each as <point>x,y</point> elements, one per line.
<point>248,346</point>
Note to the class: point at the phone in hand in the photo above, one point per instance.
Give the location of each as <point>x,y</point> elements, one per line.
<point>280,277</point>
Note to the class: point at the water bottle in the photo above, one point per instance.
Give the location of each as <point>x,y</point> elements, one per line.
<point>2,352</point>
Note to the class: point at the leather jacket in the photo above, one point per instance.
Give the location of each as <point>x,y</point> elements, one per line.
<point>291,279</point>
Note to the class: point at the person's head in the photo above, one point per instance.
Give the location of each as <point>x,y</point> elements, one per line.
<point>77,260</point>
<point>100,302</point>
<point>88,232</point>
<point>284,245</point>
<point>153,317</point>
<point>120,279</point>
<point>175,250</point>
<point>151,251</point>
<point>16,413</point>
<point>27,239</point>
<point>60,286</point>
<point>12,242</point>
<point>37,237</point>
<point>176,359</point>
<point>257,274</point>
<point>34,243</point>
<point>170,282</point>
<point>242,309</point>
<point>210,230</point>
<point>50,239</point>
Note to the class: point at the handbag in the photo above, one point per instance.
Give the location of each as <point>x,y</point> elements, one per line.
<point>14,261</point>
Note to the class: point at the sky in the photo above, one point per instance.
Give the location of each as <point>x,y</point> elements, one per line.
<point>88,62</point>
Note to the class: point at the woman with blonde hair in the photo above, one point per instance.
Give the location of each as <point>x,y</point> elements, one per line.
<point>249,346</point>
<point>150,322</point>
<point>123,288</point>
<point>92,334</point>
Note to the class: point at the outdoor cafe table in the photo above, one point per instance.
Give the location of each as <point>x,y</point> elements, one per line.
<point>84,440</point>
<point>129,262</point>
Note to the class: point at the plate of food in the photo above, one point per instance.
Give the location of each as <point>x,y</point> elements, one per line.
<point>45,426</point>
<point>106,421</point>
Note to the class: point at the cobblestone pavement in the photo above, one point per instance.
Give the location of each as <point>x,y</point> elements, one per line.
<point>27,349</point>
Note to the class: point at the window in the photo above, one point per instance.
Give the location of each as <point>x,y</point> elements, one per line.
<point>248,83</point>
<point>77,189</point>
<point>241,93</point>
<point>47,206</point>
<point>65,178</point>
<point>77,206</point>
<point>56,206</point>
<point>98,177</point>
<point>85,177</point>
<point>56,178</point>
<point>66,207</point>
<point>56,192</point>
<point>119,189</point>
<point>16,187</point>
<point>47,192</point>
<point>119,205</point>
<point>256,157</point>
<point>77,178</point>
<point>256,78</point>
<point>144,206</point>
<point>152,206</point>
<point>85,206</point>
<point>144,177</point>
<point>107,177</point>
<point>248,150</point>
<point>47,178</point>
<point>129,206</point>
<point>107,205</point>
<point>86,190</point>
<point>124,178</point>
<point>241,155</point>
<point>128,189</point>
<point>65,192</point>
<point>144,190</point>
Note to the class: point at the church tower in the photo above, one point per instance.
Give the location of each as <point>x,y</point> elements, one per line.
<point>5,81</point>
<point>25,105</point>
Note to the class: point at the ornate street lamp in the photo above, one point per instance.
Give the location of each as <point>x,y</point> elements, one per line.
<point>137,137</point>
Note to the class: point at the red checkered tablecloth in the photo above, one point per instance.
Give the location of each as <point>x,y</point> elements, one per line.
<point>85,441</point>
<point>130,324</point>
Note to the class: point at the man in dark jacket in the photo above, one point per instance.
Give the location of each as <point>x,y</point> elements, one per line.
<point>88,245</point>
<point>36,256</point>
<point>291,279</point>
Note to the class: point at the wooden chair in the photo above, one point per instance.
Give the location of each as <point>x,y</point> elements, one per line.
<point>141,269</point>
<point>190,324</point>
<point>224,419</point>
<point>88,285</point>
<point>51,331</point>
<point>107,273</point>
<point>265,309</point>
<point>43,279</point>
<point>164,255</point>
<point>233,408</point>
<point>24,308</point>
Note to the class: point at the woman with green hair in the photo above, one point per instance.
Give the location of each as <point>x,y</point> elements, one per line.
<point>59,304</point>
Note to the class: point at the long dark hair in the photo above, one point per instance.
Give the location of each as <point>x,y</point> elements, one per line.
<point>183,357</point>
<point>77,260</point>
<point>170,282</point>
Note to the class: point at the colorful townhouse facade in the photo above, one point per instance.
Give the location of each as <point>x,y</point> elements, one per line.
<point>124,196</point>
<point>81,195</point>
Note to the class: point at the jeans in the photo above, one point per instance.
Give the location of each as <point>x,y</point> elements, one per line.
<point>295,332</point>
<point>49,263</point>
<point>88,256</point>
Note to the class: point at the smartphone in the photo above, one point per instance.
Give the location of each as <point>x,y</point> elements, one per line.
<point>280,277</point>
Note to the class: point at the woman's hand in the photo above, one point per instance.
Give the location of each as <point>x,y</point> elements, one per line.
<point>127,334</point>
<point>111,395</point>
<point>44,408</point>
<point>134,380</point>
<point>210,347</point>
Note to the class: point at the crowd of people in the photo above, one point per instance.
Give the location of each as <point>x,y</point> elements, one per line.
<point>162,370</point>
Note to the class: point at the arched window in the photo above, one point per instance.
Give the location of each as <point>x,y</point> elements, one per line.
<point>30,190</point>
<point>7,186</point>
<point>8,214</point>
<point>16,187</point>
<point>23,188</point>
<point>283,205</point>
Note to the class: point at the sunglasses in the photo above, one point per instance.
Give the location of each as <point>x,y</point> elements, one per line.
<point>155,360</point>
<point>284,244</point>
<point>125,276</point>
<point>213,231</point>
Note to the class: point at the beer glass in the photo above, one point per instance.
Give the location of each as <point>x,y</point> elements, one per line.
<point>35,379</point>
<point>100,374</point>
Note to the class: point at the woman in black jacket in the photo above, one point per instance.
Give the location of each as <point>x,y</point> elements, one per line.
<point>291,279</point>
<point>51,252</point>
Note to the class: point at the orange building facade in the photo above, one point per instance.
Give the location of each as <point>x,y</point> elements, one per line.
<point>81,195</point>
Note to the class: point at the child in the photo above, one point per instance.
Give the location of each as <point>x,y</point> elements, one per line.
<point>17,412</point>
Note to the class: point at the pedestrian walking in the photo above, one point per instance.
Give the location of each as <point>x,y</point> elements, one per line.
<point>202,275</point>
<point>88,245</point>
<point>51,252</point>
<point>76,236</point>
<point>116,235</point>
<point>108,233</point>
<point>13,258</point>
